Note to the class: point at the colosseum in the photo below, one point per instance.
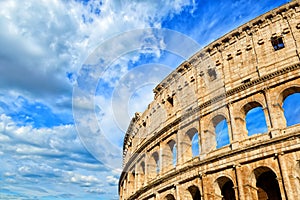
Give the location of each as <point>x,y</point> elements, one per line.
<point>196,140</point>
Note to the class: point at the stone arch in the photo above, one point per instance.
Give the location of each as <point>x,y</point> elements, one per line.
<point>289,110</point>
<point>250,112</point>
<point>219,125</point>
<point>189,148</point>
<point>224,188</point>
<point>168,155</point>
<point>266,183</point>
<point>288,91</point>
<point>194,192</point>
<point>153,165</point>
<point>174,154</point>
<point>169,197</point>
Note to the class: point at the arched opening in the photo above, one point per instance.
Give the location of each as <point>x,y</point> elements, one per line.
<point>289,101</point>
<point>169,155</point>
<point>193,142</point>
<point>153,165</point>
<point>156,158</point>
<point>221,131</point>
<point>291,107</point>
<point>195,145</point>
<point>190,145</point>
<point>169,197</point>
<point>267,184</point>
<point>225,188</point>
<point>255,118</point>
<point>174,154</point>
<point>228,191</point>
<point>195,192</point>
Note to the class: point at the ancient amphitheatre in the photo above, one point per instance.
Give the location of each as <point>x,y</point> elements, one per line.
<point>176,149</point>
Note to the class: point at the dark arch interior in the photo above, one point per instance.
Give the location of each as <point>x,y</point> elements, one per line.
<point>250,106</point>
<point>156,160</point>
<point>170,197</point>
<point>217,119</point>
<point>227,191</point>
<point>142,167</point>
<point>171,144</point>
<point>268,186</point>
<point>288,92</point>
<point>195,192</point>
<point>191,133</point>
<point>226,187</point>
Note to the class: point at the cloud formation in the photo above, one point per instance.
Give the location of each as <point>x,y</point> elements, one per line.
<point>49,157</point>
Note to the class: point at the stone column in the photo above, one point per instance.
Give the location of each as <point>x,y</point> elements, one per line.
<point>229,125</point>
<point>279,178</point>
<point>250,192</point>
<point>166,158</point>
<point>208,193</point>
<point>277,118</point>
<point>285,175</point>
<point>239,190</point>
<point>238,126</point>
<point>247,188</point>
<point>146,170</point>
<point>136,178</point>
<point>177,192</point>
<point>179,147</point>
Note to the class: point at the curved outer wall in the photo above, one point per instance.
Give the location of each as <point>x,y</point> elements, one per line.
<point>255,65</point>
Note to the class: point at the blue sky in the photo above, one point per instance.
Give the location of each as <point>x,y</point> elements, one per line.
<point>46,53</point>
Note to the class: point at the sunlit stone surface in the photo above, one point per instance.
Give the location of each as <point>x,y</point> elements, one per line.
<point>194,142</point>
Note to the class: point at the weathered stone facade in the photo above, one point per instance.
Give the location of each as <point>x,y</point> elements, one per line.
<point>254,66</point>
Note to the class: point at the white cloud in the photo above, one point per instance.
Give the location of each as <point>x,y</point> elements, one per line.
<point>112,180</point>
<point>47,157</point>
<point>8,174</point>
<point>83,180</point>
<point>96,190</point>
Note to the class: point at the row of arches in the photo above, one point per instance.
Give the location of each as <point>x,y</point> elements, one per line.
<point>255,123</point>
<point>179,149</point>
<point>266,187</point>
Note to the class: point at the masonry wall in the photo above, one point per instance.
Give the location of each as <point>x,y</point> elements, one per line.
<point>255,66</point>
